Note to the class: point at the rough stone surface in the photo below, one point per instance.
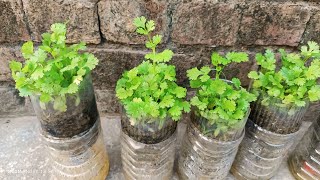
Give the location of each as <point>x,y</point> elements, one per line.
<point>183,63</point>
<point>11,104</point>
<point>82,18</point>
<point>113,62</point>
<point>206,22</point>
<point>313,28</point>
<point>266,23</point>
<point>107,101</point>
<point>7,54</point>
<point>23,157</point>
<point>116,19</point>
<point>313,112</point>
<point>13,27</point>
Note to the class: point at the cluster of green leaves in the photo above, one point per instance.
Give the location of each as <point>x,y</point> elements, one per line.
<point>149,91</point>
<point>54,70</point>
<point>295,83</point>
<point>223,103</point>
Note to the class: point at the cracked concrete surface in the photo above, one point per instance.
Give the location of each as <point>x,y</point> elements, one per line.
<point>22,155</point>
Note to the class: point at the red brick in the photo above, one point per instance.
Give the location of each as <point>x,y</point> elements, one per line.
<point>82,17</point>
<point>273,23</point>
<point>13,27</point>
<point>116,19</point>
<point>206,22</point>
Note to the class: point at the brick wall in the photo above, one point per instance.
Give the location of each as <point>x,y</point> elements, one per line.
<point>191,28</point>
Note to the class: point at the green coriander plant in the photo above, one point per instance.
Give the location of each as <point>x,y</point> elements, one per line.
<point>295,83</point>
<point>54,70</point>
<point>222,103</point>
<point>149,91</point>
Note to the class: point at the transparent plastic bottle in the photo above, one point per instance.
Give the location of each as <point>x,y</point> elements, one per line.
<point>74,138</point>
<point>274,118</point>
<point>261,153</point>
<point>208,156</point>
<point>148,149</point>
<point>304,162</point>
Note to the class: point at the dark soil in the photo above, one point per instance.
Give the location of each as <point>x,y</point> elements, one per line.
<point>148,133</point>
<point>73,122</point>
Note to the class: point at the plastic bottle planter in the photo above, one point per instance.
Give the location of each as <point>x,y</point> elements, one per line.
<point>208,157</point>
<point>304,162</point>
<point>276,119</point>
<point>74,138</point>
<point>148,150</point>
<point>260,153</point>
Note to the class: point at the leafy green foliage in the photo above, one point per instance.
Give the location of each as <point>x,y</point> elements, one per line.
<point>223,103</point>
<point>295,83</point>
<point>54,70</point>
<point>149,90</point>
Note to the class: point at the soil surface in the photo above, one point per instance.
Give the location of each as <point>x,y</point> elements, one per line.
<point>148,133</point>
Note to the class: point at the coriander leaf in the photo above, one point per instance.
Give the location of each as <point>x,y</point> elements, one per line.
<point>27,49</point>
<point>186,106</point>
<point>204,78</point>
<point>205,69</point>
<point>180,92</point>
<point>236,82</point>
<point>60,103</point>
<point>167,101</point>
<point>45,97</point>
<point>37,74</point>
<point>314,93</point>
<point>216,59</point>
<point>237,57</point>
<point>150,26</point>
<point>156,39</point>
<point>140,22</point>
<point>15,66</point>
<point>193,73</point>
<point>196,102</point>
<point>253,75</point>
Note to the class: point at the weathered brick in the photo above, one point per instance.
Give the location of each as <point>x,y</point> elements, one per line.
<point>206,22</point>
<point>183,63</point>
<point>7,54</point>
<point>113,62</point>
<point>116,19</point>
<point>266,23</point>
<point>13,27</point>
<point>312,31</point>
<point>82,18</point>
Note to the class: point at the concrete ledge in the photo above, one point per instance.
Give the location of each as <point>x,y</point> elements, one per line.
<point>23,157</point>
